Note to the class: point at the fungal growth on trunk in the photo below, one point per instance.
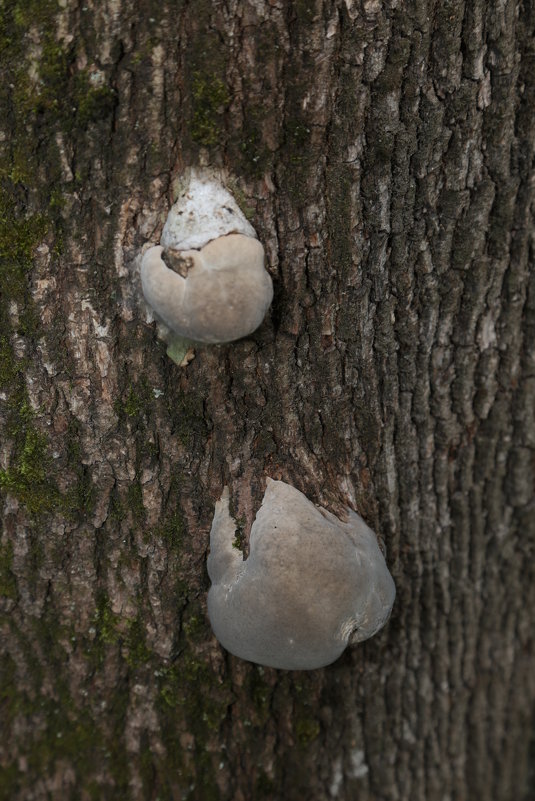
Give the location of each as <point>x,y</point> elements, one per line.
<point>206,281</point>
<point>312,583</point>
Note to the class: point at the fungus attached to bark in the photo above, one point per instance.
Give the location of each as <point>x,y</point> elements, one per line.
<point>312,584</point>
<point>216,294</point>
<point>207,281</point>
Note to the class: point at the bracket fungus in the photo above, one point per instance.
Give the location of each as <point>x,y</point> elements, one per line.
<point>311,585</point>
<point>207,281</point>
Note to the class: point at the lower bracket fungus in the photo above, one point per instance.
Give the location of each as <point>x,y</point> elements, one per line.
<point>206,281</point>
<point>312,583</point>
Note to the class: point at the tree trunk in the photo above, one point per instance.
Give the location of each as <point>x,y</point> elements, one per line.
<point>384,153</point>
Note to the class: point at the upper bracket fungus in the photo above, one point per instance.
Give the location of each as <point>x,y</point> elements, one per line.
<point>312,583</point>
<point>207,281</point>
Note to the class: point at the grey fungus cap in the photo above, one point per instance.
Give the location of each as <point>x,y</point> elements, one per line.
<point>312,584</point>
<point>222,295</point>
<point>207,280</point>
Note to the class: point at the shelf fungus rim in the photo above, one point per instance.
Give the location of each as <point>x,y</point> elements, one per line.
<point>311,585</point>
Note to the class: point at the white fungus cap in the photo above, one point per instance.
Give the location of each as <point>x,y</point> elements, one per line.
<point>203,211</point>
<point>311,585</point>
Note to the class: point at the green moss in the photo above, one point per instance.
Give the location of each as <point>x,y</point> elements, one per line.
<point>118,510</point>
<point>297,140</point>
<point>10,368</point>
<point>189,685</point>
<point>306,730</point>
<point>146,767</point>
<point>239,540</point>
<point>191,698</point>
<point>137,653</point>
<point>143,52</point>
<point>136,402</point>
<point>8,585</point>
<point>63,96</point>
<point>94,103</point>
<point>9,781</point>
<point>26,13</point>
<point>105,621</point>
<point>110,630</point>
<point>10,703</point>
<point>71,735</point>
<point>210,100</point>
<point>52,97</point>
<point>28,475</point>
<point>306,725</point>
<point>339,219</point>
<point>19,236</point>
<point>66,730</point>
<point>172,530</point>
<point>27,478</point>
<point>132,405</point>
<point>241,199</point>
<point>195,627</point>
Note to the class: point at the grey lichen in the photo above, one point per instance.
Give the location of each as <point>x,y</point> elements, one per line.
<point>312,583</point>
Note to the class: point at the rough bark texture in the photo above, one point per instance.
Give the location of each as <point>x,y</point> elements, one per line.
<point>384,152</point>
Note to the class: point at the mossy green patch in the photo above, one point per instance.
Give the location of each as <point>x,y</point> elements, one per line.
<point>63,729</point>
<point>27,478</point>
<point>297,140</point>
<point>10,368</point>
<point>248,149</point>
<point>192,698</point>
<point>136,651</point>
<point>299,153</point>
<point>306,730</point>
<point>105,621</point>
<point>190,692</point>
<point>93,103</point>
<point>339,219</point>
<point>64,95</point>
<point>8,584</point>
<point>210,101</point>
<point>110,630</point>
<point>306,725</point>
<point>137,400</point>
<point>25,13</point>
<point>239,538</point>
<point>19,236</point>
<point>172,530</point>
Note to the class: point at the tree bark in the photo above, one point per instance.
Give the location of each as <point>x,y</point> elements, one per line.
<point>384,153</point>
